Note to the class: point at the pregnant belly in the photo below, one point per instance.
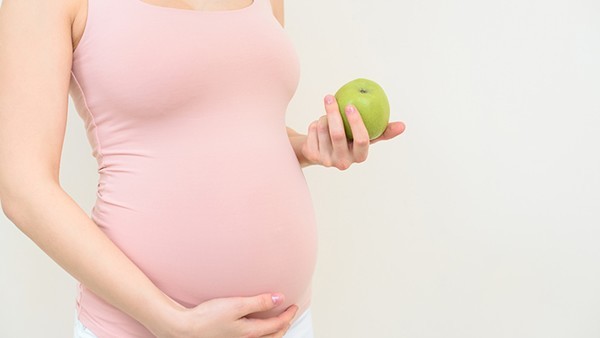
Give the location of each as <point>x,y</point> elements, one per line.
<point>208,233</point>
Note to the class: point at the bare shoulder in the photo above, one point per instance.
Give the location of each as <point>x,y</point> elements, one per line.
<point>67,9</point>
<point>41,13</point>
<point>35,65</point>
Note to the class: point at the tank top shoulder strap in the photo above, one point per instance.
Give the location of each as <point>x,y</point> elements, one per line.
<point>96,12</point>
<point>107,16</point>
<point>142,5</point>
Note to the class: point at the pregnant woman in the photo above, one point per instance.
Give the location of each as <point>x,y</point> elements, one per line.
<point>203,224</point>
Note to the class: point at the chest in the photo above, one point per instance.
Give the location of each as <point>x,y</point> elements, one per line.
<point>80,17</point>
<point>144,60</point>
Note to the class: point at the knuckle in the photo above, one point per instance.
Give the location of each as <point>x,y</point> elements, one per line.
<point>265,302</point>
<point>343,165</point>
<point>309,154</point>
<point>361,142</point>
<point>322,126</point>
<point>361,158</point>
<point>338,136</point>
<point>314,158</point>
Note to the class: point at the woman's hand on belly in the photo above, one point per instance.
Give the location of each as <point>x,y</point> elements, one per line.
<point>225,317</point>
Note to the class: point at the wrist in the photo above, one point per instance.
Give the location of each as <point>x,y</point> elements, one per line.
<point>168,320</point>
<point>297,140</point>
<point>297,143</point>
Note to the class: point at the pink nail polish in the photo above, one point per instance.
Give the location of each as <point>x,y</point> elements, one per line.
<point>329,99</point>
<point>276,299</point>
<point>350,109</point>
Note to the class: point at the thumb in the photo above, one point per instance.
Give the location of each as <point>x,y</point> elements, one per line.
<point>393,129</point>
<point>260,303</point>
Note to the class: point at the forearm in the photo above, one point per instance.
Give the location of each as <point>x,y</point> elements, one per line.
<point>297,140</point>
<point>54,221</point>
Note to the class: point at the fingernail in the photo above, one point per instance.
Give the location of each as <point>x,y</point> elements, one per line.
<point>350,109</point>
<point>329,99</point>
<point>276,299</point>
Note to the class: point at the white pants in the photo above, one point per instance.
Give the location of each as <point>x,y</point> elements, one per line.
<point>301,328</point>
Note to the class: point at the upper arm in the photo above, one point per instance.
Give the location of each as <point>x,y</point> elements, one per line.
<point>278,10</point>
<point>35,65</point>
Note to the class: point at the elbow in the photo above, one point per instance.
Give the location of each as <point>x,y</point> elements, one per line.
<point>6,209</point>
<point>14,196</point>
<point>6,204</point>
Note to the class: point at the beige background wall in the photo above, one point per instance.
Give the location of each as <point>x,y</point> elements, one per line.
<point>481,220</point>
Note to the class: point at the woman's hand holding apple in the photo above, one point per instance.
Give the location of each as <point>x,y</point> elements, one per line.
<point>326,143</point>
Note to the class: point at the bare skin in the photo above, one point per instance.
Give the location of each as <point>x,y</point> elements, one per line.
<point>324,144</point>
<point>37,39</point>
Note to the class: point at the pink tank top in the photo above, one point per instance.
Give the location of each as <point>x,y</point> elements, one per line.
<point>198,183</point>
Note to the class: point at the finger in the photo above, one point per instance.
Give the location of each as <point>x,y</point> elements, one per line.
<point>336,126</point>
<point>325,147</point>
<point>289,314</point>
<point>270,327</point>
<point>393,129</point>
<point>279,334</point>
<point>288,319</point>
<point>360,143</point>
<point>258,303</point>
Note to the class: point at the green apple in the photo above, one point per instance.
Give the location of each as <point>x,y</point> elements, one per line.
<point>371,102</point>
